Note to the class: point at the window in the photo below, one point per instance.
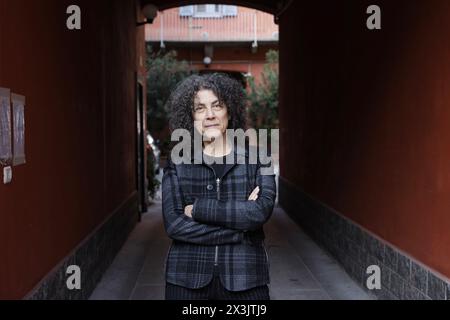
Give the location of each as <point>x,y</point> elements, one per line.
<point>208,11</point>
<point>201,8</point>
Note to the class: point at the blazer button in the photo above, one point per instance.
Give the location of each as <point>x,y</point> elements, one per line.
<point>210,187</point>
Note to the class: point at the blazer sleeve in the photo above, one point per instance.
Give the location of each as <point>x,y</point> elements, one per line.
<point>238,214</point>
<point>183,228</point>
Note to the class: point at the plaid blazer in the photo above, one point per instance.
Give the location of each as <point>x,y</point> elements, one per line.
<point>226,229</point>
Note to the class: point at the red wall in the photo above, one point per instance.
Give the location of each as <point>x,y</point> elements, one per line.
<point>364,120</point>
<point>365,117</point>
<point>80,129</point>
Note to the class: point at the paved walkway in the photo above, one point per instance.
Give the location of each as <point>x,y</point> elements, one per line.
<point>299,269</point>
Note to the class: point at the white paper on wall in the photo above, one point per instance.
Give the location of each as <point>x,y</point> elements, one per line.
<point>5,126</point>
<point>18,109</point>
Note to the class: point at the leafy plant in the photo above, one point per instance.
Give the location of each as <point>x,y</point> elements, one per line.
<point>164,72</point>
<point>263,97</point>
<point>153,183</point>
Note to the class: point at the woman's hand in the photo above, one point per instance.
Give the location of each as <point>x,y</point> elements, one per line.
<point>254,195</point>
<point>188,210</point>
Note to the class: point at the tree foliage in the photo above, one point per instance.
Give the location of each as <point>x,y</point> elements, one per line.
<point>263,97</point>
<point>164,72</point>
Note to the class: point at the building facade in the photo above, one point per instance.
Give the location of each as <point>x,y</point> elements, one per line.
<point>212,37</point>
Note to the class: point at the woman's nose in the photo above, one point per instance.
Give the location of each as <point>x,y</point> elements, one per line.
<point>209,113</point>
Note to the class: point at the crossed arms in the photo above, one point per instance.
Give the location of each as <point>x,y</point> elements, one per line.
<point>211,221</point>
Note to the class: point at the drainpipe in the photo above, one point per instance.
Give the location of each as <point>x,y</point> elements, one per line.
<point>255,26</point>
<point>161,29</point>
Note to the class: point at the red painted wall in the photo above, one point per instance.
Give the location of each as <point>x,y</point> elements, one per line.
<point>364,120</point>
<point>365,117</point>
<point>80,129</point>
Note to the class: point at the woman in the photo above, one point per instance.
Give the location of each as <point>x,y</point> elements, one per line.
<point>215,212</point>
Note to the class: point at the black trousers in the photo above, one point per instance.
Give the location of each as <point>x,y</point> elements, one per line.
<point>215,291</point>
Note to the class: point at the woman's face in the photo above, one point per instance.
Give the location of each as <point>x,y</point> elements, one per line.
<point>210,116</point>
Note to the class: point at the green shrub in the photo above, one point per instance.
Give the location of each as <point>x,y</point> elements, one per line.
<point>263,98</point>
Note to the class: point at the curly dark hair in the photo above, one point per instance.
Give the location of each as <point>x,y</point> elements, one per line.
<point>228,90</point>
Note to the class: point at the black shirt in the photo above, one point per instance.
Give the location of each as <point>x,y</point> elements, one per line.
<point>219,168</point>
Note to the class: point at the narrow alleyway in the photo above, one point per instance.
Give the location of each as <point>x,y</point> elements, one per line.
<point>300,270</point>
